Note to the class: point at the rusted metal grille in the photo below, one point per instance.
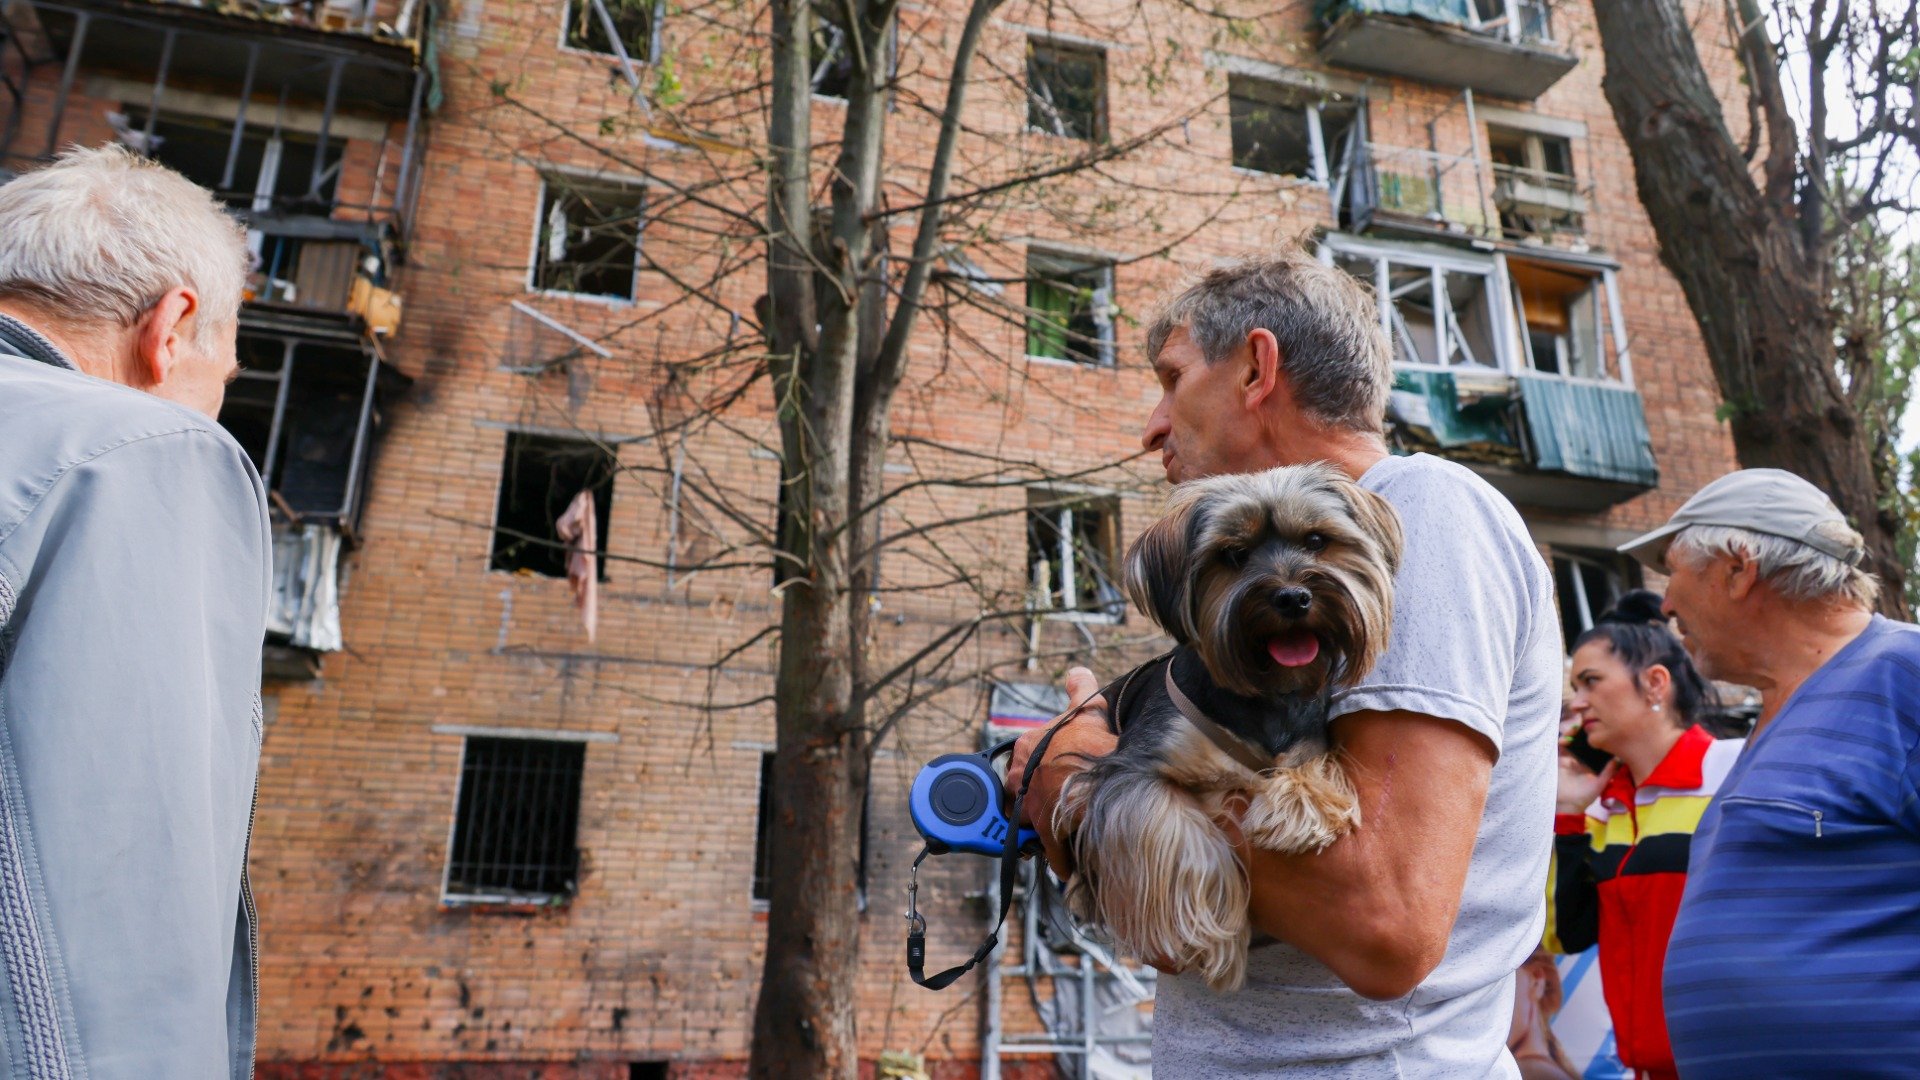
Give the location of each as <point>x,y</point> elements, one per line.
<point>515,826</point>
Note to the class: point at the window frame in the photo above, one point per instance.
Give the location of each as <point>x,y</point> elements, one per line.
<point>535,256</point>
<point>603,515</point>
<point>1311,104</point>
<point>1512,350</point>
<point>1065,502</point>
<point>1038,42</point>
<point>449,898</point>
<point>1102,305</point>
<point>656,15</point>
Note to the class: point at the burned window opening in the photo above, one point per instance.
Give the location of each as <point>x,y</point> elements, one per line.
<point>589,238</point>
<point>634,20</point>
<point>516,822</point>
<point>1067,90</point>
<point>540,477</point>
<point>1073,549</point>
<point>274,169</point>
<point>306,413</point>
<point>1535,189</point>
<point>1070,308</point>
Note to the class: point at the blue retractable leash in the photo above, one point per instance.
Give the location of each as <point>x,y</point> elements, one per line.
<point>956,804</point>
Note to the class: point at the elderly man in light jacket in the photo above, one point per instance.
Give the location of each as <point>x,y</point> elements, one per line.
<point>133,590</point>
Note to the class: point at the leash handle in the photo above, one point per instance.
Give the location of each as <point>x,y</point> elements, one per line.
<point>1009,873</point>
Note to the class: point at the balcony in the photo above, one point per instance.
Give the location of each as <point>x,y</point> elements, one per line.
<point>308,408</point>
<point>1515,364</point>
<point>1504,48</point>
<point>308,121</point>
<point>1461,195</point>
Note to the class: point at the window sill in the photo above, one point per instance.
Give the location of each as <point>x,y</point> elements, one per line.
<point>1085,618</point>
<point>502,905</point>
<point>1290,179</point>
<point>604,299</point>
<point>1055,361</point>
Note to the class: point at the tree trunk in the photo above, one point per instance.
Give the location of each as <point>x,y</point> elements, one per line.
<point>1760,296</point>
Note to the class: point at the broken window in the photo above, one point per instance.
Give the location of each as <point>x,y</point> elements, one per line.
<point>832,60</point>
<point>589,237</point>
<point>1070,308</point>
<point>539,479</point>
<point>632,19</point>
<point>1277,129</point>
<point>1067,90</point>
<point>1563,324</point>
<point>1585,585</point>
<point>762,831</point>
<point>1534,185</point>
<point>1073,548</point>
<point>305,412</point>
<point>516,820</point>
<point>273,170</point>
<point>1435,312</point>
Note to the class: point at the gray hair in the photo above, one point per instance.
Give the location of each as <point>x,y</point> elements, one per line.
<point>1332,349</point>
<point>99,236</point>
<point>1794,570</point>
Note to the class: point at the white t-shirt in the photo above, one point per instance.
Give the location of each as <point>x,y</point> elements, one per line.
<point>1475,639</point>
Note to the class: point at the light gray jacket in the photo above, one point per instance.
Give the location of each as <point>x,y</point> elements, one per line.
<point>133,593</point>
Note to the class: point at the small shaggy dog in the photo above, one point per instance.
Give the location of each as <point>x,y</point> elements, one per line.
<point>1277,588</point>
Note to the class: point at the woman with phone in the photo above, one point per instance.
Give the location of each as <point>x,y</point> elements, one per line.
<point>1637,766</point>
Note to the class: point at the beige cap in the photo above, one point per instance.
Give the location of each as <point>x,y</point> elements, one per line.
<point>1770,501</point>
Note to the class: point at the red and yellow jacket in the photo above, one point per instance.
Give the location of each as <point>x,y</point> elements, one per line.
<point>1618,872</point>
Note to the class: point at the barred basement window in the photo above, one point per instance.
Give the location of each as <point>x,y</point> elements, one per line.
<point>634,19</point>
<point>1067,90</point>
<point>516,821</point>
<point>589,238</point>
<point>541,475</point>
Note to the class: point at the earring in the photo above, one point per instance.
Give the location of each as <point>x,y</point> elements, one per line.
<point>1656,706</point>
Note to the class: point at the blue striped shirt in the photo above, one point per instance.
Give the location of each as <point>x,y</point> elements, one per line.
<point>1797,949</point>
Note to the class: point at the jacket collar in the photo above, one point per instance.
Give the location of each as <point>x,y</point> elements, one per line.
<point>22,340</point>
<point>1680,770</point>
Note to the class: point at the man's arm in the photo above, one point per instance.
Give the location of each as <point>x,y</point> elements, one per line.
<point>1378,905</point>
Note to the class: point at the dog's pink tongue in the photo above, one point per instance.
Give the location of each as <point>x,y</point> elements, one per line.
<point>1295,649</point>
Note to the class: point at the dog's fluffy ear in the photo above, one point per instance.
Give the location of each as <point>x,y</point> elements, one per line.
<point>1377,517</point>
<point>1159,567</point>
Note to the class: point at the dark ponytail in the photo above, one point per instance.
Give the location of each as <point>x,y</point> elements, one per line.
<point>1636,630</point>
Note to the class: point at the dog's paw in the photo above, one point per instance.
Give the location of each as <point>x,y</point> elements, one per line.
<point>1302,810</point>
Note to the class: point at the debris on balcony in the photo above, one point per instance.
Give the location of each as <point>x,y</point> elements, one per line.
<point>305,606</point>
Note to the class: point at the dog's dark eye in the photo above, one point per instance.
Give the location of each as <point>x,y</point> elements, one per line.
<point>1235,556</point>
<point>1313,541</point>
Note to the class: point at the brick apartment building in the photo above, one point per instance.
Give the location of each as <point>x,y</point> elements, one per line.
<point>487,847</point>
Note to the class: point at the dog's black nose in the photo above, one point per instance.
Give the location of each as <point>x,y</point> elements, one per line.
<point>1293,601</point>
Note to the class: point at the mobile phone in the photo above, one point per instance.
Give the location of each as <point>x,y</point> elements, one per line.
<point>1584,752</point>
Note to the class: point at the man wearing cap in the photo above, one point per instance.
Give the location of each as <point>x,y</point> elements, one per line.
<point>1797,948</point>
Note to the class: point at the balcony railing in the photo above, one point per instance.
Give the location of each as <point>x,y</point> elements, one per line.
<point>1500,47</point>
<point>1542,440</point>
<point>282,110</point>
<point>1456,193</point>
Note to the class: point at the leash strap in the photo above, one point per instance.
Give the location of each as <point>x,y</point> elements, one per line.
<point>1009,874</point>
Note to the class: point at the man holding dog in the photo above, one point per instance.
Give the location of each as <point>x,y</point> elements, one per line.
<point>1396,945</point>
<point>1796,952</point>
